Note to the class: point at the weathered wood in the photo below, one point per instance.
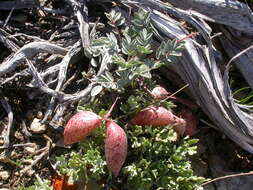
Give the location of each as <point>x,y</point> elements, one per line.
<point>81,13</point>
<point>8,43</point>
<point>232,46</point>
<point>27,52</point>
<point>19,4</point>
<point>70,56</point>
<point>228,12</point>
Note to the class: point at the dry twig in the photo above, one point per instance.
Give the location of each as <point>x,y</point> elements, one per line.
<point>81,12</point>
<point>44,152</point>
<point>227,176</point>
<point>8,109</point>
<point>27,52</point>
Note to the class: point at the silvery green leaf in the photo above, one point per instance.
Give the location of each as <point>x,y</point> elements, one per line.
<point>93,62</point>
<point>112,38</point>
<point>118,60</point>
<point>117,16</point>
<point>176,54</point>
<point>144,50</point>
<point>96,90</point>
<point>146,75</point>
<point>158,53</point>
<point>128,46</point>
<point>144,71</point>
<point>157,65</point>
<point>132,63</point>
<point>121,21</point>
<point>87,52</point>
<point>109,76</point>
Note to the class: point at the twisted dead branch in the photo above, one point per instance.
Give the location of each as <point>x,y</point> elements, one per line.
<point>27,52</point>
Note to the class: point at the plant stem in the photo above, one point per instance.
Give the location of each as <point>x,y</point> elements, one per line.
<point>227,176</point>
<point>172,95</point>
<point>110,110</point>
<point>191,35</point>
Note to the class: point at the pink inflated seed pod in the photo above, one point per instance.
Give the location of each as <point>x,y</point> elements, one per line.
<point>80,126</point>
<point>156,116</point>
<point>160,92</point>
<point>191,122</point>
<point>115,147</point>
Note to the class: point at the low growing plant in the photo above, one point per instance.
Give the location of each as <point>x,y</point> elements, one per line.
<point>122,63</point>
<point>156,159</point>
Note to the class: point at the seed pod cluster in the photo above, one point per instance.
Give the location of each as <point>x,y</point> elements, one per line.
<point>83,123</point>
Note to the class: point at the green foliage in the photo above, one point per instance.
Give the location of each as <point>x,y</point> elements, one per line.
<point>38,185</point>
<point>249,1</point>
<point>115,18</point>
<point>246,95</point>
<point>157,162</point>
<point>133,104</point>
<point>128,51</point>
<point>139,99</point>
<point>88,162</point>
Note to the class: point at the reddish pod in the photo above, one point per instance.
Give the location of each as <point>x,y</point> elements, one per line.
<point>156,116</point>
<point>191,122</point>
<point>115,147</point>
<point>160,92</point>
<point>80,126</point>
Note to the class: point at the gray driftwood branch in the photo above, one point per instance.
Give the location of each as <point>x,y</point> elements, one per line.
<point>27,52</point>
<point>81,12</point>
<point>228,12</point>
<point>19,4</point>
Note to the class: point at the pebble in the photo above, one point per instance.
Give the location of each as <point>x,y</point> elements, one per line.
<point>37,127</point>
<point>4,175</point>
<point>1,141</point>
<point>30,149</point>
<point>30,173</point>
<point>19,136</point>
<point>39,115</point>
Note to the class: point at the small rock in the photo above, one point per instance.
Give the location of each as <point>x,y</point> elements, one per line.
<point>30,149</point>
<point>19,136</point>
<point>16,173</point>
<point>37,127</point>
<point>30,173</point>
<point>4,175</point>
<point>1,141</point>
<point>39,115</point>
<point>14,154</point>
